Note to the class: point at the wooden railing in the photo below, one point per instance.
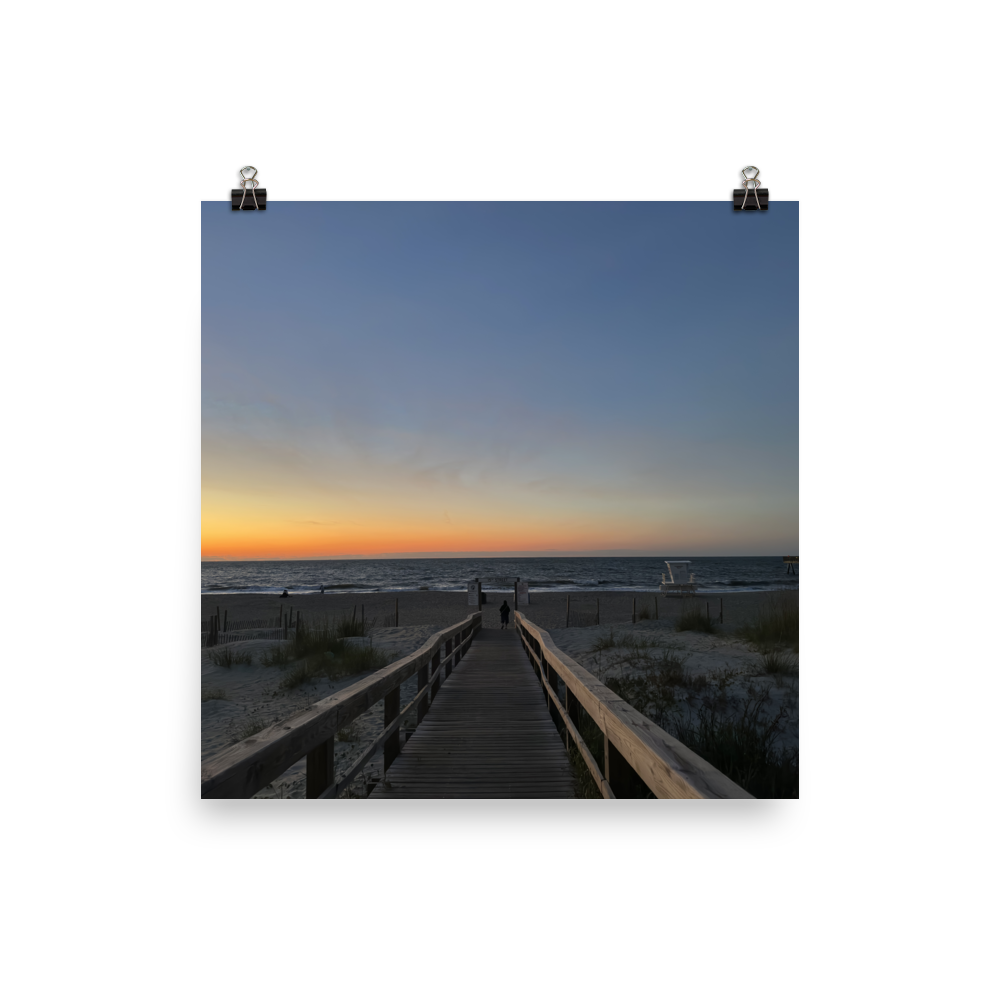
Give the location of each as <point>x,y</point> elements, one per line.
<point>636,750</point>
<point>241,770</point>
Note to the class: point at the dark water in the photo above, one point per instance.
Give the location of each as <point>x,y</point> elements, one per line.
<point>715,574</point>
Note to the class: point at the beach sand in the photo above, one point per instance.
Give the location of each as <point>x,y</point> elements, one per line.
<point>251,692</point>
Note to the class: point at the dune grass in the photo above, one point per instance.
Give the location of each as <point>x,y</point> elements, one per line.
<point>778,663</point>
<point>776,623</point>
<point>229,657</point>
<point>694,620</point>
<point>741,747</point>
<point>315,639</point>
<point>320,649</point>
<point>248,726</point>
<point>213,694</point>
<point>744,746</point>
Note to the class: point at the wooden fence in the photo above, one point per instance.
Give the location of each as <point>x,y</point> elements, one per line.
<point>219,629</point>
<point>587,611</point>
<point>242,770</point>
<point>638,754</point>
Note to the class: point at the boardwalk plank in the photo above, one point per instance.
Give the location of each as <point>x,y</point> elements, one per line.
<point>488,733</point>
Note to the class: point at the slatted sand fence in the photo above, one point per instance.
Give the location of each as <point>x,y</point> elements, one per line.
<point>240,771</point>
<point>487,735</point>
<point>639,758</point>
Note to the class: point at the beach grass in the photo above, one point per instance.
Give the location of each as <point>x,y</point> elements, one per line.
<point>743,745</point>
<point>317,642</point>
<point>623,640</point>
<point>229,657</point>
<point>775,623</point>
<point>247,727</point>
<point>279,656</point>
<point>342,660</point>
<point>349,734</point>
<point>213,694</point>
<point>778,663</point>
<point>694,620</point>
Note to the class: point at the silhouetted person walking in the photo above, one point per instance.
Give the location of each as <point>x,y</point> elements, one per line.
<point>504,614</point>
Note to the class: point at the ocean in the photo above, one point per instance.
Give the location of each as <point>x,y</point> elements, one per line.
<point>712,574</point>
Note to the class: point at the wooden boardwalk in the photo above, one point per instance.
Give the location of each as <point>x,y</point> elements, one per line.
<point>488,733</point>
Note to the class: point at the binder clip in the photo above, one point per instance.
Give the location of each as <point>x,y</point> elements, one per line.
<point>257,200</point>
<point>742,202</point>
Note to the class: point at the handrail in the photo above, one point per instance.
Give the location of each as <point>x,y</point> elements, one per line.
<point>243,769</point>
<point>668,768</point>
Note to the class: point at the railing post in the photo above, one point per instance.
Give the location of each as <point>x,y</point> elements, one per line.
<point>448,647</point>
<point>319,769</point>
<point>553,678</point>
<point>424,703</point>
<point>573,711</point>
<point>390,750</point>
<point>620,775</point>
<point>435,663</point>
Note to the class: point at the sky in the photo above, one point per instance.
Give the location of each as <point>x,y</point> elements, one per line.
<point>470,378</point>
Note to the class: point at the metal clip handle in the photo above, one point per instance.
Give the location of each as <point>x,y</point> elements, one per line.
<point>246,178</point>
<point>748,180</point>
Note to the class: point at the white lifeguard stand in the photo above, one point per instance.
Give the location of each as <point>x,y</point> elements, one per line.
<point>678,579</point>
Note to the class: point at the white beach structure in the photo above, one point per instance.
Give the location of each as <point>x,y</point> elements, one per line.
<point>678,579</point>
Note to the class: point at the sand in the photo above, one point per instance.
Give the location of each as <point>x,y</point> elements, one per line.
<point>251,692</point>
